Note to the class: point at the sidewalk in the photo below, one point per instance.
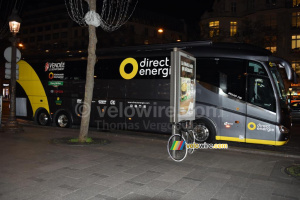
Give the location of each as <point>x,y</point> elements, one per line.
<point>133,167</point>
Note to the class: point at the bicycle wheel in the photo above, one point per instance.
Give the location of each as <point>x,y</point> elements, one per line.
<point>190,139</point>
<point>177,148</point>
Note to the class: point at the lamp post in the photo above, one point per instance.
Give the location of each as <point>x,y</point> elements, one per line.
<point>290,90</point>
<point>14,26</point>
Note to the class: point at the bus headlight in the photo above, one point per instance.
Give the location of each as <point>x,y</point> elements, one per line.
<point>283,129</point>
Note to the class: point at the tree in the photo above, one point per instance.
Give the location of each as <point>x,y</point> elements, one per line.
<point>114,14</point>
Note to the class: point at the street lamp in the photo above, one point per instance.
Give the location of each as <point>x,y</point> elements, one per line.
<point>21,45</point>
<point>160,30</point>
<point>14,26</point>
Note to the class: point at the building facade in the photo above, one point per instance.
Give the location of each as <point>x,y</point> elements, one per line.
<point>50,30</point>
<point>271,24</point>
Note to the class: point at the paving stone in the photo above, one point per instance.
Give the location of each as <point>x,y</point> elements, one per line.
<point>121,190</point>
<point>229,192</point>
<point>238,181</point>
<point>258,191</point>
<point>134,196</point>
<point>47,195</point>
<point>200,193</point>
<point>85,193</point>
<point>146,177</point>
<point>140,169</point>
<point>153,188</point>
<point>102,197</point>
<point>184,185</point>
<point>168,194</point>
<point>114,180</point>
<point>23,193</point>
<point>173,175</point>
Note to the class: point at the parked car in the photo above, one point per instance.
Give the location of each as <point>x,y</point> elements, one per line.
<point>295,108</point>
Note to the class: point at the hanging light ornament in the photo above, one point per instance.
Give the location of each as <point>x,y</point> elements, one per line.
<point>114,13</point>
<point>92,18</point>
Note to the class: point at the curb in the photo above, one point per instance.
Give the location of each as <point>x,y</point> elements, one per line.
<point>263,152</point>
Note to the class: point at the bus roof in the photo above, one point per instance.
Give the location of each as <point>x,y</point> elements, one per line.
<point>197,48</point>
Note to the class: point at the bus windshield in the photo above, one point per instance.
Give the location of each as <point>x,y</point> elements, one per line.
<point>279,83</point>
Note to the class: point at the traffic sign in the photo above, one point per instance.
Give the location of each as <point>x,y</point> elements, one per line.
<point>8,71</point>
<point>7,54</point>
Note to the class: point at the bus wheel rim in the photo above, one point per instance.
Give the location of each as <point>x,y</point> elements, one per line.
<point>43,118</point>
<point>201,133</point>
<point>62,120</point>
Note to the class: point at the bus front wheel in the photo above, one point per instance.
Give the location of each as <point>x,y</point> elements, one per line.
<point>63,120</point>
<point>42,118</point>
<point>204,131</point>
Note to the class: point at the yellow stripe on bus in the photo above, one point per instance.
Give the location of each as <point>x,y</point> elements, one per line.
<point>32,86</point>
<point>254,141</point>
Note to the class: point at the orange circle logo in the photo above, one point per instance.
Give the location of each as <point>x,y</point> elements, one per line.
<point>51,75</point>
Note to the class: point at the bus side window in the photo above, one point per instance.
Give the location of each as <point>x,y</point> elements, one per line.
<point>260,93</point>
<point>224,73</point>
<point>207,71</point>
<point>232,77</point>
<point>256,68</point>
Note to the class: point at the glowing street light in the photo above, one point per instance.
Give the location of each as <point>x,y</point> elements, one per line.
<point>160,30</point>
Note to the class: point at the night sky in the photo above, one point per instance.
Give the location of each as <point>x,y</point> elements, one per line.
<point>189,10</point>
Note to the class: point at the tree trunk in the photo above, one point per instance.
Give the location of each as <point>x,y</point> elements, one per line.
<point>89,85</point>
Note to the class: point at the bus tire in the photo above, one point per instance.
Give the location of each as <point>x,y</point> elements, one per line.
<point>204,131</point>
<point>42,117</point>
<point>63,119</point>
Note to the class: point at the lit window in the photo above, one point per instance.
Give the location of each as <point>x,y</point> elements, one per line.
<point>272,49</point>
<point>296,66</point>
<point>233,28</point>
<point>296,3</point>
<point>296,19</point>
<point>214,28</point>
<point>295,41</point>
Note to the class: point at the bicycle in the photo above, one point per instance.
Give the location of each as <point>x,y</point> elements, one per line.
<point>177,143</point>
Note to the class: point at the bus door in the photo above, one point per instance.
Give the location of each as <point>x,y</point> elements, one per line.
<point>233,119</point>
<point>261,106</point>
<point>232,82</point>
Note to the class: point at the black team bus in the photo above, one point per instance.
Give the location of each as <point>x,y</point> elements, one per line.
<point>240,94</point>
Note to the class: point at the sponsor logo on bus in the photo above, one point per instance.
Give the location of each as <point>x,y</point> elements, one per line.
<point>55,83</point>
<point>58,101</point>
<point>54,66</point>
<point>56,91</point>
<point>55,76</point>
<point>260,127</point>
<point>251,126</point>
<point>146,67</point>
